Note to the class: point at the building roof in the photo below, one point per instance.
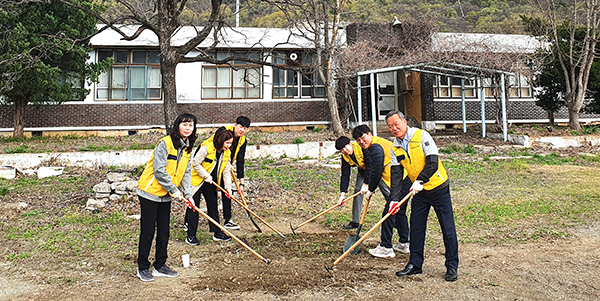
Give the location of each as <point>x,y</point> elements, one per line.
<point>241,37</point>
<point>477,42</point>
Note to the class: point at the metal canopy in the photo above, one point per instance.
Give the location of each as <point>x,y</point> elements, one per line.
<point>445,69</point>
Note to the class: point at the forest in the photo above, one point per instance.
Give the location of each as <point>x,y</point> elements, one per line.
<point>477,16</point>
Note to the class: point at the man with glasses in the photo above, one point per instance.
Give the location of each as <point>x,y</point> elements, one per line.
<point>415,151</point>
<point>380,176</point>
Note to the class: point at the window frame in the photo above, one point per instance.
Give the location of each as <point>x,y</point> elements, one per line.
<point>121,89</point>
<point>251,90</point>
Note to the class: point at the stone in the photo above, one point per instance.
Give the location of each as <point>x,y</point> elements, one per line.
<point>44,172</point>
<point>93,204</point>
<point>102,188</point>
<point>114,198</point>
<point>116,177</point>
<point>8,172</point>
<point>102,195</point>
<point>131,185</point>
<point>23,205</point>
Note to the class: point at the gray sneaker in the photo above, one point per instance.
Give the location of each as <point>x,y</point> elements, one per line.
<point>164,271</point>
<point>402,247</point>
<point>145,275</point>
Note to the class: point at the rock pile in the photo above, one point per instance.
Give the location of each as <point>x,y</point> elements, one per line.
<point>116,187</point>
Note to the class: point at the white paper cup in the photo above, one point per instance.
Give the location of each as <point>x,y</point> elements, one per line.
<point>186,260</point>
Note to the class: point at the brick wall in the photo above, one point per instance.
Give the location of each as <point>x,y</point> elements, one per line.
<point>140,114</point>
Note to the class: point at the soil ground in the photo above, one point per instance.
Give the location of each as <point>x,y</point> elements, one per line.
<point>552,268</point>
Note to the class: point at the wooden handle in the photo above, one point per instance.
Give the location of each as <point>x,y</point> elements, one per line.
<point>248,209</point>
<point>237,185</point>
<point>228,233</point>
<point>328,209</point>
<point>410,195</point>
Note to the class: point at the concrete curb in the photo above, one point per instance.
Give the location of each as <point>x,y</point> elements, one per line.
<point>312,150</point>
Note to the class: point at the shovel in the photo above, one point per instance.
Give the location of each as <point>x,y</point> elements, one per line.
<point>248,209</point>
<point>244,200</point>
<point>326,210</point>
<point>352,238</point>
<point>191,205</point>
<point>357,243</point>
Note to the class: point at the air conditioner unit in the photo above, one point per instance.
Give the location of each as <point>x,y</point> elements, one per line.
<point>293,58</point>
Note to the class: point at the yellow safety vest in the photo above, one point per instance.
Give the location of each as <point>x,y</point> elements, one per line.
<point>239,145</point>
<point>209,163</point>
<point>414,162</point>
<point>386,173</point>
<point>358,153</point>
<point>148,182</point>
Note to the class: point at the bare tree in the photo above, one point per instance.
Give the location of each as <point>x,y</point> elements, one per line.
<point>564,20</point>
<point>164,20</point>
<point>319,22</point>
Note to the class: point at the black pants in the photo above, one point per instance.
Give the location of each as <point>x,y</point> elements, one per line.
<point>441,202</point>
<point>154,215</point>
<point>226,204</point>
<point>209,192</point>
<point>398,221</point>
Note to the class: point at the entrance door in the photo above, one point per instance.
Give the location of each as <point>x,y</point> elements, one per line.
<point>387,98</point>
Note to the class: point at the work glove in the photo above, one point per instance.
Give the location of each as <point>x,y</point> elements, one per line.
<point>369,194</point>
<point>209,180</point>
<point>177,195</point>
<point>394,207</point>
<point>190,204</point>
<point>416,186</point>
<point>342,198</point>
<point>364,188</point>
<point>228,193</point>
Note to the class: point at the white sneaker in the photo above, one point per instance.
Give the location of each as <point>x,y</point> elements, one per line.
<point>402,247</point>
<point>382,252</point>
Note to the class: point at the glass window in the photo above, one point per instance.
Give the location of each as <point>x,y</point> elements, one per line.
<point>238,79</point>
<point>294,84</point>
<point>134,75</point>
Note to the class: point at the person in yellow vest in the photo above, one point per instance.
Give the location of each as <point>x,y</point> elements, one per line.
<point>352,155</point>
<point>379,150</point>
<point>415,151</point>
<point>167,172</point>
<point>210,164</point>
<point>237,158</point>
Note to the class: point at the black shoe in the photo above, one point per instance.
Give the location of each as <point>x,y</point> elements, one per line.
<point>451,274</point>
<point>410,269</point>
<point>351,226</point>
<point>221,236</point>
<point>192,240</point>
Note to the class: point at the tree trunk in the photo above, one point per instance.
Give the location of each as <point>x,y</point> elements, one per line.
<point>19,121</point>
<point>551,117</point>
<point>167,68</point>
<point>333,111</point>
<point>573,118</point>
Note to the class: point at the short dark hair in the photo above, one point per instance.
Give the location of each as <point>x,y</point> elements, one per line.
<point>392,113</point>
<point>243,121</point>
<point>341,142</point>
<point>360,130</point>
<point>176,136</point>
<point>220,137</point>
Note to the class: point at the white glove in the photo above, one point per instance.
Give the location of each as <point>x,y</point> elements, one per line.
<point>342,198</point>
<point>417,186</point>
<point>209,180</point>
<point>177,195</point>
<point>364,188</point>
<point>369,194</point>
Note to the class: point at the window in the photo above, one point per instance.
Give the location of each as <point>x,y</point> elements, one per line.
<point>451,87</point>
<point>293,84</point>
<point>519,86</point>
<point>238,79</point>
<point>134,75</point>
